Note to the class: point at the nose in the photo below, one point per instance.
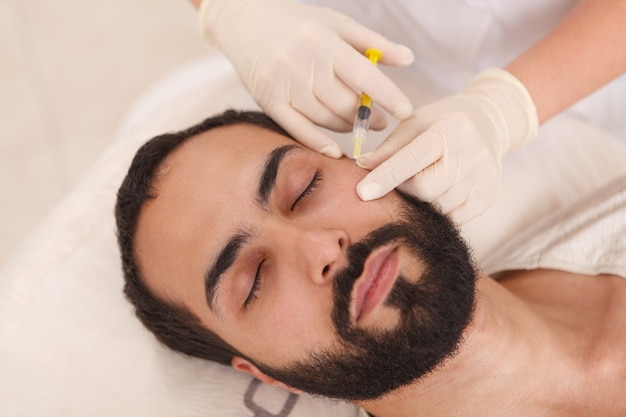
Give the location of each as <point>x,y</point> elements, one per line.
<point>319,253</point>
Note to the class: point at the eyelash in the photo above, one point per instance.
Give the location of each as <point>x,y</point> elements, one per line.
<point>309,189</point>
<point>256,286</point>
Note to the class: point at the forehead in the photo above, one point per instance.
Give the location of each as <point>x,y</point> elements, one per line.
<point>217,157</point>
<point>206,185</point>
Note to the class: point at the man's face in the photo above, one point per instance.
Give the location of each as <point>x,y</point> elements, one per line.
<point>269,245</point>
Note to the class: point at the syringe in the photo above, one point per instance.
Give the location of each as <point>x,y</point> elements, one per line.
<point>363,112</point>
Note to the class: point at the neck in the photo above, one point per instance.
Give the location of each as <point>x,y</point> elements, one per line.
<point>511,355</point>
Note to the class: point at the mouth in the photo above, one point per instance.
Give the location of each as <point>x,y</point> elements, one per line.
<point>373,286</point>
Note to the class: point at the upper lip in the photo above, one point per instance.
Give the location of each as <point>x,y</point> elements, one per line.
<point>371,274</point>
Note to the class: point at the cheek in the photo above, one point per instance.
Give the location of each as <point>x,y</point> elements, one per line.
<point>358,217</point>
<point>293,321</point>
<point>339,202</point>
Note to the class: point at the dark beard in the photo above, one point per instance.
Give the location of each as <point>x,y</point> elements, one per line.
<point>435,310</point>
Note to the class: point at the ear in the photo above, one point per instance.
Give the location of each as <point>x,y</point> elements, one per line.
<point>243,365</point>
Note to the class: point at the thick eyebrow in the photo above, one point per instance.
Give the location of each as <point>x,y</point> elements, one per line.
<point>228,255</point>
<point>223,262</point>
<point>270,173</point>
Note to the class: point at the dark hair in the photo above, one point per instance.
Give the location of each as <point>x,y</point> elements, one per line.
<point>173,325</point>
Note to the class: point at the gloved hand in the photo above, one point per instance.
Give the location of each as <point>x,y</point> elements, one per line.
<point>450,151</point>
<point>302,64</point>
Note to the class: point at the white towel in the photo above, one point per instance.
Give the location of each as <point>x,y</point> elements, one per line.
<point>588,237</point>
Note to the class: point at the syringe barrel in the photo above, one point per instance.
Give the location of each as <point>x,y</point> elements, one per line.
<point>360,130</point>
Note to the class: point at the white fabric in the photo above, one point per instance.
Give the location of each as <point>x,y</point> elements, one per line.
<point>453,40</point>
<point>69,343</point>
<point>588,237</point>
<point>569,159</point>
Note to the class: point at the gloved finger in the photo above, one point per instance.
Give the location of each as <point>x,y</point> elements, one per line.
<point>378,120</point>
<point>305,132</point>
<point>402,165</point>
<point>402,135</point>
<point>309,105</point>
<point>434,181</point>
<point>362,38</point>
<point>455,195</point>
<point>357,71</point>
<point>470,209</point>
<point>341,99</point>
<point>483,192</point>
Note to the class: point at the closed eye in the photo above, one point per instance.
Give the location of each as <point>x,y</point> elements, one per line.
<point>309,189</point>
<point>257,284</point>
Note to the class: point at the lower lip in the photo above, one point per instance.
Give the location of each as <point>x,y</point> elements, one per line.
<point>385,278</point>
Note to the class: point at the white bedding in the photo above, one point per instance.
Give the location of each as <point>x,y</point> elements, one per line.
<point>588,237</point>
<point>69,343</point>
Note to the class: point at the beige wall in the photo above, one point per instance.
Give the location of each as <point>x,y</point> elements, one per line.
<point>69,69</point>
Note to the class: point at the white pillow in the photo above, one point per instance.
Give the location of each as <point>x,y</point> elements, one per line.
<point>69,342</point>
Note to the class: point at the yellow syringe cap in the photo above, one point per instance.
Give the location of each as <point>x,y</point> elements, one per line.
<point>374,55</point>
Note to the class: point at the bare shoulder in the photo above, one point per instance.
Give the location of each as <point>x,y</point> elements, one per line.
<point>592,306</point>
<point>564,288</point>
<point>581,300</point>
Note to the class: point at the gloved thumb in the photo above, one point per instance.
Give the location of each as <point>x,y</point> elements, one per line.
<point>414,157</point>
<point>418,154</point>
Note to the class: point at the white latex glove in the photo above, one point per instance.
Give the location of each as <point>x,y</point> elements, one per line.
<point>450,151</point>
<point>302,64</point>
